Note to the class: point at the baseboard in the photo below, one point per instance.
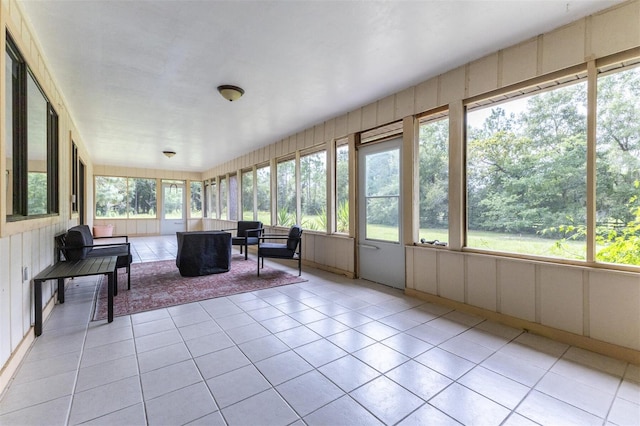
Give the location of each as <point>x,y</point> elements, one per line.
<point>584,342</point>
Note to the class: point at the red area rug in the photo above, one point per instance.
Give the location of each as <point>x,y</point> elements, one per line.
<point>157,285</point>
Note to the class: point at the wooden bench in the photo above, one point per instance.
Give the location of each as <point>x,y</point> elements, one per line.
<point>70,269</point>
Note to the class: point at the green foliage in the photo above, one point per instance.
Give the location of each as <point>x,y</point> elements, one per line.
<point>342,217</point>
<point>285,218</point>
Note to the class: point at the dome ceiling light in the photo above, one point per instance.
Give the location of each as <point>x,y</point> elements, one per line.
<point>231,93</point>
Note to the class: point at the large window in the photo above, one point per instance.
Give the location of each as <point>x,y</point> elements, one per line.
<point>618,167</point>
<point>223,198</point>
<point>196,199</point>
<point>122,198</point>
<point>263,188</point>
<point>32,142</point>
<point>211,198</point>
<point>526,174</point>
<point>233,197</point>
<point>433,171</point>
<point>313,191</point>
<point>286,198</point>
<point>247,195</point>
<point>342,188</point>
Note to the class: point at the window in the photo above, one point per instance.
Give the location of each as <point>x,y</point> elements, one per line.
<point>74,177</point>
<point>263,189</point>
<point>247,195</point>
<point>313,191</point>
<point>233,197</point>
<point>211,198</point>
<point>223,198</point>
<point>111,197</point>
<point>342,188</point>
<point>196,200</point>
<point>122,198</point>
<point>618,167</point>
<point>142,198</point>
<point>286,197</point>
<point>32,142</point>
<point>526,174</point>
<point>433,175</point>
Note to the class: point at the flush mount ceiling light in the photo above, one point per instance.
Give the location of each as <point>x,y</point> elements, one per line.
<point>169,154</point>
<point>230,93</point>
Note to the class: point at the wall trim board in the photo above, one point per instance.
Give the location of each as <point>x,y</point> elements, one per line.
<point>588,343</point>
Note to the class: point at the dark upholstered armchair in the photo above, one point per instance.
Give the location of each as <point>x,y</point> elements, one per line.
<point>247,234</point>
<point>291,249</point>
<point>78,244</point>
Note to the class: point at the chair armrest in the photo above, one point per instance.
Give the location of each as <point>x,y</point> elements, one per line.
<point>126,237</point>
<point>229,229</point>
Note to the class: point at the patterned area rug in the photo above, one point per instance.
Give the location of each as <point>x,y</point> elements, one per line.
<point>157,285</point>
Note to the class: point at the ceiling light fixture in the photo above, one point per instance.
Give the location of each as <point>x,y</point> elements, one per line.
<point>230,93</point>
<point>169,154</point>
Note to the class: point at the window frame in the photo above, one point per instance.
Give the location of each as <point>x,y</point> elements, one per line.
<point>20,142</point>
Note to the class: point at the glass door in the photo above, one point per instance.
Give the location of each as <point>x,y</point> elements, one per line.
<point>173,207</point>
<point>380,247</point>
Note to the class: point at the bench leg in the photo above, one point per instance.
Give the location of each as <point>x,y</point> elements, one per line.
<point>37,306</point>
<point>115,281</point>
<point>61,290</point>
<point>129,276</point>
<point>110,293</point>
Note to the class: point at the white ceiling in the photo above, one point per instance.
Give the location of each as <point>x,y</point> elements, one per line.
<point>140,77</point>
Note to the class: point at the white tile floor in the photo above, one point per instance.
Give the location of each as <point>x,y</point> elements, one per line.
<point>329,351</point>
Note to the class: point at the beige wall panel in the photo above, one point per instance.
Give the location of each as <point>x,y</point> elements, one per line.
<point>320,254</point>
<point>5,301</point>
<point>425,270</point>
<point>451,276</point>
<point>309,137</point>
<point>426,95</point>
<point>563,47</point>
<point>342,126</point>
<point>517,287</point>
<point>409,267</point>
<point>561,297</point>
<point>132,226</point>
<point>308,247</point>
<point>326,246</point>
<point>16,289</point>
<point>626,21</point>
<point>386,110</point>
<point>369,116</point>
<point>141,227</point>
<point>329,129</point>
<point>404,103</point>
<point>483,75</point>
<point>482,282</point>
<point>344,253</point>
<point>27,261</point>
<point>354,121</point>
<point>614,308</point>
<point>318,134</point>
<point>452,85</point>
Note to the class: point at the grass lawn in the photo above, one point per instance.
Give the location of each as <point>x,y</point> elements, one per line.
<point>510,243</point>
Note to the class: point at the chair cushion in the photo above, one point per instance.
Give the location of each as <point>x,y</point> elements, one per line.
<point>124,258</point>
<point>239,241</point>
<point>78,236</point>
<point>294,237</point>
<point>275,250</point>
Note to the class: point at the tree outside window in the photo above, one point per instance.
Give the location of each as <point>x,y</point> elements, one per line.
<point>433,171</point>
<point>111,197</point>
<point>526,174</point>
<point>286,196</point>
<point>263,187</point>
<point>342,189</point>
<point>313,191</point>
<point>196,199</point>
<point>618,168</point>
<point>223,198</point>
<point>247,195</point>
<point>141,198</point>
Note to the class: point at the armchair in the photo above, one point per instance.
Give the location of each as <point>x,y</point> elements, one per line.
<point>247,234</point>
<point>78,243</point>
<point>291,249</point>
